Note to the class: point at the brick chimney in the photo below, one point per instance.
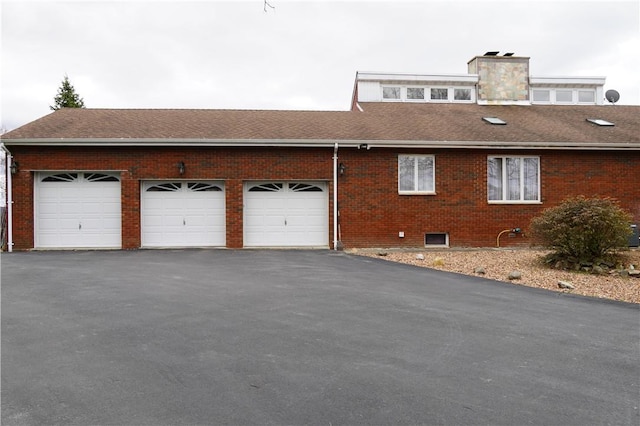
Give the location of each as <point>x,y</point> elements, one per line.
<point>501,79</point>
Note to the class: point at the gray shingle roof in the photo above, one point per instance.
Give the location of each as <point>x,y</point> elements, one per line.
<point>384,123</point>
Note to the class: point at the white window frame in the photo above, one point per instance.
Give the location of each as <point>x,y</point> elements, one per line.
<point>416,175</point>
<point>424,94</point>
<point>553,96</point>
<point>452,91</point>
<point>569,102</point>
<point>447,99</point>
<point>427,93</point>
<point>589,102</point>
<point>504,180</point>
<point>537,92</point>
<point>401,95</point>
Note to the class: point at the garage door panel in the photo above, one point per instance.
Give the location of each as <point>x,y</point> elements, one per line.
<point>62,224</point>
<point>47,209</point>
<point>276,220</point>
<point>92,207</point>
<point>69,207</point>
<point>170,221</point>
<point>68,192</point>
<point>111,209</point>
<point>53,240</point>
<point>153,203</point>
<point>304,221</point>
<point>48,223</point>
<point>153,220</point>
<point>193,220</point>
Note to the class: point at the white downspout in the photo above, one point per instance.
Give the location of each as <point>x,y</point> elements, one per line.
<point>9,198</point>
<point>335,196</point>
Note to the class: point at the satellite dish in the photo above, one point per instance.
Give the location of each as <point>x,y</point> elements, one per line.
<point>612,96</point>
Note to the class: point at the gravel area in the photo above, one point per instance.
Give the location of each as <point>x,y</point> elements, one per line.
<point>497,264</point>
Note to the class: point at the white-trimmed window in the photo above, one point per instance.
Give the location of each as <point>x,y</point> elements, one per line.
<point>439,94</point>
<point>568,96</point>
<point>564,96</point>
<point>586,96</point>
<point>426,93</point>
<point>513,179</point>
<point>416,174</point>
<point>391,92</point>
<point>415,93</point>
<point>461,94</point>
<point>542,95</point>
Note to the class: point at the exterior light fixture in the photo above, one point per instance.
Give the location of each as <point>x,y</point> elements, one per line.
<point>15,166</point>
<point>342,168</point>
<point>363,146</point>
<point>181,167</point>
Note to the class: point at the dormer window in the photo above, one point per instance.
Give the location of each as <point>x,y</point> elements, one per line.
<point>461,94</point>
<point>566,96</point>
<point>542,96</point>
<point>390,92</point>
<point>415,93</point>
<point>439,94</point>
<point>586,96</point>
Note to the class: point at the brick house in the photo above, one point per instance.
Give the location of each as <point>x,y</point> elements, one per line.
<point>419,160</point>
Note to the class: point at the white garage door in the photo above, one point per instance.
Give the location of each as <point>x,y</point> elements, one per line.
<point>78,210</point>
<point>286,214</point>
<point>183,214</point>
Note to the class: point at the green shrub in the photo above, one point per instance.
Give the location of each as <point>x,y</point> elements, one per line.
<point>582,230</point>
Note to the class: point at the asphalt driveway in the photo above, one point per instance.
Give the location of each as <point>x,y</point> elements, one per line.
<point>244,337</point>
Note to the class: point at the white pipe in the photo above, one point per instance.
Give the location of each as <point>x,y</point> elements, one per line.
<point>9,197</point>
<point>335,196</point>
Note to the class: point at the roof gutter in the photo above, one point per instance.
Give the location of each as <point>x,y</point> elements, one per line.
<point>173,142</point>
<point>335,197</point>
<point>582,146</point>
<point>325,143</point>
<point>9,197</point>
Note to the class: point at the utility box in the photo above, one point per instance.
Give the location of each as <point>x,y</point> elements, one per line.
<point>634,239</point>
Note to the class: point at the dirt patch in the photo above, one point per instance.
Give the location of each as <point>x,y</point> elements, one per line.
<point>498,264</point>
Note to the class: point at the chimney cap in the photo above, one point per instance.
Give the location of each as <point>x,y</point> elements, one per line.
<point>492,53</point>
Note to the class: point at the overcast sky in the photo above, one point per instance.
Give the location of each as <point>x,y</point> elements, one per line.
<point>300,55</point>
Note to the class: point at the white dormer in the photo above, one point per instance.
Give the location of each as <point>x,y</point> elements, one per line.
<point>492,79</point>
<point>567,90</point>
<point>387,87</point>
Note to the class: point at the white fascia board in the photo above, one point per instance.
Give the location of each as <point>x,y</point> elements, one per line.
<point>591,81</point>
<point>417,78</point>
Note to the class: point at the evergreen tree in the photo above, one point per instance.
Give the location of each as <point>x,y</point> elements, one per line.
<point>67,97</point>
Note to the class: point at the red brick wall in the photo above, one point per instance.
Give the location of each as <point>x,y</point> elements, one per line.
<point>232,165</point>
<point>372,213</point>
